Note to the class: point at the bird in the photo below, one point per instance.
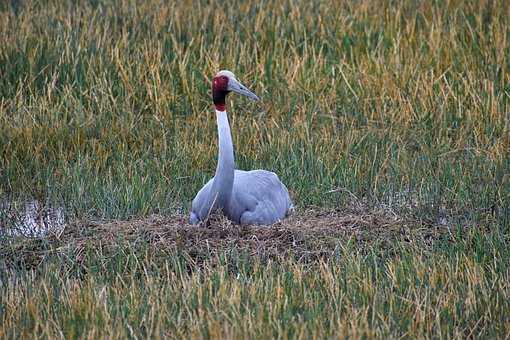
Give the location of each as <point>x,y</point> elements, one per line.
<point>255,197</point>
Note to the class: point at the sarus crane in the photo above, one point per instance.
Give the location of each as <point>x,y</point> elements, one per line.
<point>244,197</point>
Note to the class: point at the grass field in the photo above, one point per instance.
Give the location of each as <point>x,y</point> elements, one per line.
<point>387,120</point>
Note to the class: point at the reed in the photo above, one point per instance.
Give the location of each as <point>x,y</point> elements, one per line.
<point>106,107</point>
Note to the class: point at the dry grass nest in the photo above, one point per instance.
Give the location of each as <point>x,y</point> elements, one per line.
<point>306,235</point>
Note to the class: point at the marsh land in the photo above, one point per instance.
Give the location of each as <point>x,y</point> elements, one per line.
<point>387,120</point>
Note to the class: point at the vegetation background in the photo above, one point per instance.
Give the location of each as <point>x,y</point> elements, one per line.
<point>388,121</point>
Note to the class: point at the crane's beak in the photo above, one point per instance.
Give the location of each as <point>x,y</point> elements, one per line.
<point>236,86</point>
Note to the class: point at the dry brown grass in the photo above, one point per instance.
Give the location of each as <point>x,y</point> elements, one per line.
<point>307,236</point>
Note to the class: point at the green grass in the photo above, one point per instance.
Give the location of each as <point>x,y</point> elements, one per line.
<point>458,288</point>
<point>106,106</point>
<point>400,106</point>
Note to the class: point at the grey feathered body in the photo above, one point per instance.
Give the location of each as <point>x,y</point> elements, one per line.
<point>258,197</point>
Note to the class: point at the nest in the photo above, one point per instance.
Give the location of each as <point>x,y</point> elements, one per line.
<point>305,236</point>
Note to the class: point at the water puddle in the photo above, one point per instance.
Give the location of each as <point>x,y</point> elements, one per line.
<point>31,219</point>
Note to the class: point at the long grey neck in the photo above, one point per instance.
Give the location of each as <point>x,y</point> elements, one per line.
<point>221,189</point>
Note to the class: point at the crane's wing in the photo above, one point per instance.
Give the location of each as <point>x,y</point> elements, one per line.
<point>259,197</point>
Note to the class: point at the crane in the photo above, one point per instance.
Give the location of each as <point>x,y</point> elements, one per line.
<point>244,197</point>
